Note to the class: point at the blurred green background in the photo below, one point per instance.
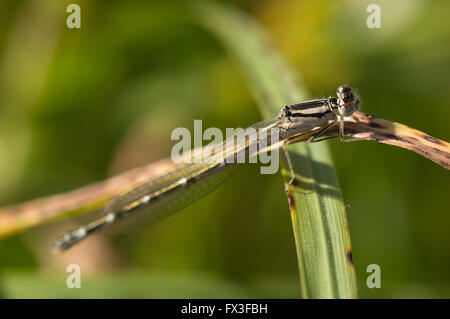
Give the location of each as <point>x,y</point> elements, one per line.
<point>80,105</point>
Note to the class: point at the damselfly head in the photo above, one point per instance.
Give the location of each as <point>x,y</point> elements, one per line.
<point>348,103</point>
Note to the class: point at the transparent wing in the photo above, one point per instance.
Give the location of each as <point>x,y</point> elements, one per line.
<point>175,188</point>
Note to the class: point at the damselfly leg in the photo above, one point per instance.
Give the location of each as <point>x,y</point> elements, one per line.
<point>291,167</point>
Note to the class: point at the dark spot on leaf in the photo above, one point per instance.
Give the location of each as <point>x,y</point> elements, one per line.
<point>374,124</point>
<point>432,139</point>
<point>350,257</point>
<point>410,139</point>
<point>392,137</point>
<point>291,201</point>
<point>295,182</point>
<point>441,152</point>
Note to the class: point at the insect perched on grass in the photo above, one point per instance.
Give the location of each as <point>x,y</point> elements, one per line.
<point>183,183</point>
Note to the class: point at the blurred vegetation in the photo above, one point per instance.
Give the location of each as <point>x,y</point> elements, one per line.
<point>79,105</point>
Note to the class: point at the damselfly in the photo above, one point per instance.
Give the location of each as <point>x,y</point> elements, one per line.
<point>183,183</point>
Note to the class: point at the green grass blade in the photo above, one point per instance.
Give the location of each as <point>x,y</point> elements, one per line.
<point>317,209</point>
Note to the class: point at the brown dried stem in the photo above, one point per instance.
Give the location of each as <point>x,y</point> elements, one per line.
<point>17,218</point>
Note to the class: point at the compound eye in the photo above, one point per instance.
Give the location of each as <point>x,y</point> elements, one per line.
<point>345,94</point>
<point>344,90</point>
